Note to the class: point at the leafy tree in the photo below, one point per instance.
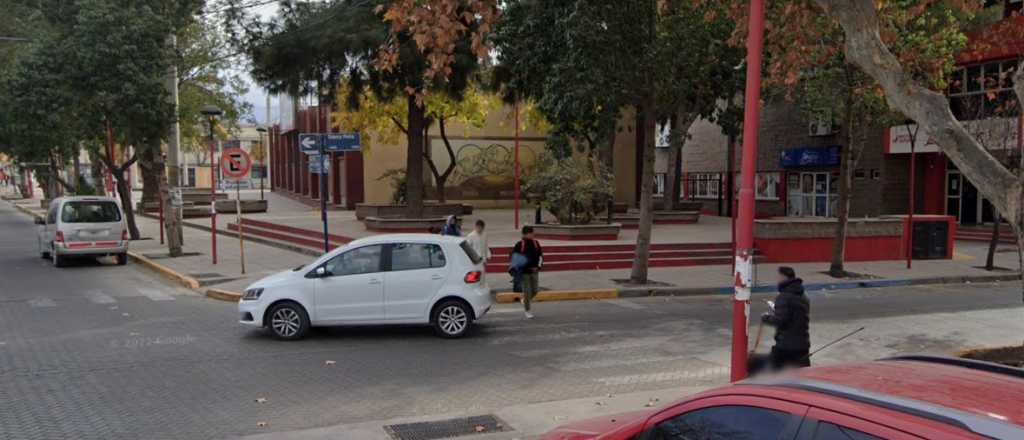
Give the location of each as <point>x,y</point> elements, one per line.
<point>397,48</point>
<point>580,61</point>
<point>871,43</point>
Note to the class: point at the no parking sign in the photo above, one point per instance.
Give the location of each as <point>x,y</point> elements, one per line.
<point>235,162</point>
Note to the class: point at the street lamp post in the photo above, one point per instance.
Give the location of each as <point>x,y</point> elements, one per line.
<point>263,159</point>
<point>212,113</point>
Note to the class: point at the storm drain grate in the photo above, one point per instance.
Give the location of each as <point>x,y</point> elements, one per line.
<point>446,428</point>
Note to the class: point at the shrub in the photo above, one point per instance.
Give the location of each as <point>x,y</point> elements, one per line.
<point>575,189</point>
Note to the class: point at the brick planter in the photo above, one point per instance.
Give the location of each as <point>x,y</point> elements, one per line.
<point>430,210</point>
<point>248,206</point>
<point>420,225</point>
<point>577,232</point>
<point>631,220</point>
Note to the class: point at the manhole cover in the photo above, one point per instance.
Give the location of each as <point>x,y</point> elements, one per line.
<point>446,428</point>
<point>207,275</point>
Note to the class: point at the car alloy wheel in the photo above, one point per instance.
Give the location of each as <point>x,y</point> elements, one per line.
<point>452,319</point>
<point>286,322</point>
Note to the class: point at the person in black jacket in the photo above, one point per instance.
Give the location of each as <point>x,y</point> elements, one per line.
<point>529,248</point>
<point>791,319</point>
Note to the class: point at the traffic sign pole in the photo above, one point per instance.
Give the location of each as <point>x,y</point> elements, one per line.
<point>323,196</point>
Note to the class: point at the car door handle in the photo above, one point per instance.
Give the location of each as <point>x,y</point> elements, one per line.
<point>437,277</point>
<point>374,281</point>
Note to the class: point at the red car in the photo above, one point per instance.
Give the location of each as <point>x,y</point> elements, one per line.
<point>909,397</point>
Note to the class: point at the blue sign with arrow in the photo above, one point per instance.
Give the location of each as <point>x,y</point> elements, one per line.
<point>314,143</point>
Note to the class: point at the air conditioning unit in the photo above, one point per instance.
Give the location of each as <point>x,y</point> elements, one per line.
<point>821,126</point>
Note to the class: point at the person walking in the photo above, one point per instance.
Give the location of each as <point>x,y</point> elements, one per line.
<point>451,227</point>
<point>527,259</point>
<point>478,240</point>
<point>791,317</point>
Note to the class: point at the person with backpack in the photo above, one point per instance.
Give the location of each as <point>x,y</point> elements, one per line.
<point>525,262</point>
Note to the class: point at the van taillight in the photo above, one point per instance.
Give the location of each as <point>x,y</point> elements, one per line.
<point>59,237</point>
<point>472,277</point>
<point>124,235</point>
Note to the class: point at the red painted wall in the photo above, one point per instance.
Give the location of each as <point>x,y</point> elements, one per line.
<point>933,186</point>
<point>812,250</point>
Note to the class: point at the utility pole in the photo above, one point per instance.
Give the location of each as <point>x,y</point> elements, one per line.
<point>171,213</point>
<point>744,272</point>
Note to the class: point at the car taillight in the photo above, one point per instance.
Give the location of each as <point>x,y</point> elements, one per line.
<point>59,237</point>
<point>472,277</point>
<point>124,235</point>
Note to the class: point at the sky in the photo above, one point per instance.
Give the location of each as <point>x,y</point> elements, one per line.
<point>258,96</point>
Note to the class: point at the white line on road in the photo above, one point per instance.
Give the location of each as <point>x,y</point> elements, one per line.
<point>98,297</point>
<point>625,303</point>
<point>42,302</point>
<point>155,295</point>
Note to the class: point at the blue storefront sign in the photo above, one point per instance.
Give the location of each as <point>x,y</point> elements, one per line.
<point>810,157</point>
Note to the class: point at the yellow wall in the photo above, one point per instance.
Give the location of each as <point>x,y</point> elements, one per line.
<point>500,127</point>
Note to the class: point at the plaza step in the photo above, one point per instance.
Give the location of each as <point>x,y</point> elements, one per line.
<point>984,234</point>
<point>291,235</point>
<point>620,256</point>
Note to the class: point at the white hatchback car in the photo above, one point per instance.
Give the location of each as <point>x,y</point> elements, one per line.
<point>384,279</point>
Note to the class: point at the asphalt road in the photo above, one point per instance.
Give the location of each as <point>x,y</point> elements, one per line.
<point>97,351</point>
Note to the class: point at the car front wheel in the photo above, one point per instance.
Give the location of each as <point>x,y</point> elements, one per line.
<point>452,319</point>
<point>288,321</point>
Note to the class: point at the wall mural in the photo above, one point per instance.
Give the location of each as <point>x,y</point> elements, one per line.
<point>485,167</point>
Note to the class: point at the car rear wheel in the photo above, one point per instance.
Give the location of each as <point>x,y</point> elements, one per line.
<point>122,259</point>
<point>58,261</point>
<point>288,321</point>
<point>452,319</point>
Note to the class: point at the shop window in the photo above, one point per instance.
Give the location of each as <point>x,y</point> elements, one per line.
<point>704,185</point>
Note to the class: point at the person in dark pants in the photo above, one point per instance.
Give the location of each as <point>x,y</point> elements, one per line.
<point>791,319</point>
<point>529,252</point>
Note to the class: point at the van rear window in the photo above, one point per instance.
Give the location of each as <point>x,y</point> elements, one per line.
<point>90,212</point>
<point>470,252</point>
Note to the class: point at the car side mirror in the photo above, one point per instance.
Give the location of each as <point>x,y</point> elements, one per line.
<point>40,221</point>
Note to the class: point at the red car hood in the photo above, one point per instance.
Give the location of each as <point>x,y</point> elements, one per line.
<point>614,427</point>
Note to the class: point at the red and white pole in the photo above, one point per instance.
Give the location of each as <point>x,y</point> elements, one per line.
<point>213,199</point>
<point>517,166</point>
<point>744,272</point>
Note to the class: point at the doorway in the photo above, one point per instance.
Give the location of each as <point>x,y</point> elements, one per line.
<point>964,202</point>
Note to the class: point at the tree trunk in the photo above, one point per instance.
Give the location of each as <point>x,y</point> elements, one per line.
<point>609,161</point>
<point>151,172</point>
<point>414,159</point>
<point>993,244</point>
<point>638,274</point>
<point>847,163</point>
<point>172,220</point>
<point>124,193</point>
<point>96,172</point>
<point>681,124</point>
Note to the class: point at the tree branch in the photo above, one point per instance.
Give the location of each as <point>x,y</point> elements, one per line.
<point>447,146</point>
<point>399,124</point>
<point>930,109</point>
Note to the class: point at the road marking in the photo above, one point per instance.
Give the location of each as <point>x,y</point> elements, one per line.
<point>619,345</point>
<point>155,295</point>
<point>42,302</point>
<point>98,297</point>
<point>665,376</point>
<point>625,303</point>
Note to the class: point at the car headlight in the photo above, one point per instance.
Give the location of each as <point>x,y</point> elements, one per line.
<point>252,294</point>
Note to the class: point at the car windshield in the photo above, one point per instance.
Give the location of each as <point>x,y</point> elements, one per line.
<point>90,212</point>
<point>470,252</point>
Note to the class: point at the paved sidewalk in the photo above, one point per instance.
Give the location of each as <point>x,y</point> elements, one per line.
<point>263,260</point>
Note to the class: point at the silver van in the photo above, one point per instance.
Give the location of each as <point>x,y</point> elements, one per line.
<point>83,226</point>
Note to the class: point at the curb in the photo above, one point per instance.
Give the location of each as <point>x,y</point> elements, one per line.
<point>223,295</point>
<point>165,271</point>
<point>26,211</point>
<point>559,295</point>
<point>597,294</point>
